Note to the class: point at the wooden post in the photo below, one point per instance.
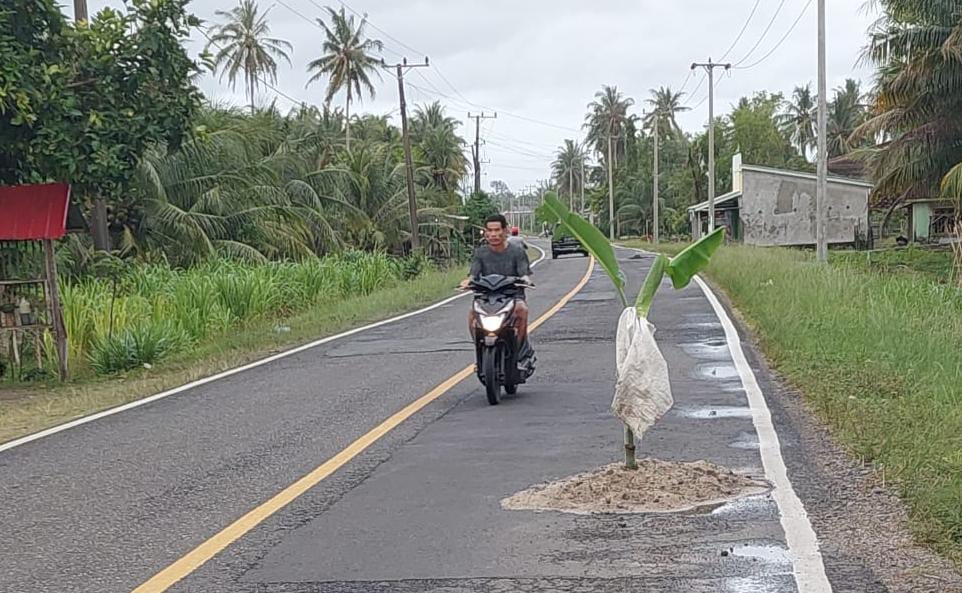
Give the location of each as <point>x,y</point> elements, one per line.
<point>56,311</point>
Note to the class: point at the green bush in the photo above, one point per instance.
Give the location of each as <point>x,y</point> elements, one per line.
<point>146,343</point>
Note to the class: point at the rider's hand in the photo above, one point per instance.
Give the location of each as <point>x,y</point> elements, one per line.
<point>464,284</point>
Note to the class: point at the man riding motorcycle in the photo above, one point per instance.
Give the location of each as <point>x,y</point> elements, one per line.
<point>499,256</point>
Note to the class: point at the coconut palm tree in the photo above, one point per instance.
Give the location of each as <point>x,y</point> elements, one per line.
<point>917,47</point>
<point>846,112</point>
<point>347,61</point>
<point>665,106</point>
<point>608,117</point>
<point>566,170</point>
<point>430,116</point>
<point>797,120</point>
<point>244,44</point>
<point>440,153</point>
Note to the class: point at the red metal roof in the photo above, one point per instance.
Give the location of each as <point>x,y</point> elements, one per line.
<point>33,212</point>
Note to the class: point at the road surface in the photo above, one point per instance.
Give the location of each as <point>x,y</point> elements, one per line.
<point>106,506</point>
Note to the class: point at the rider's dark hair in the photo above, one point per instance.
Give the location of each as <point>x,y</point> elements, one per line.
<point>497,218</point>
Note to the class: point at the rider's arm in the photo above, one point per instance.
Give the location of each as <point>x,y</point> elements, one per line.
<point>474,272</point>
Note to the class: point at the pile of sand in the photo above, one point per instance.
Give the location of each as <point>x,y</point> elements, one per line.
<point>655,487</point>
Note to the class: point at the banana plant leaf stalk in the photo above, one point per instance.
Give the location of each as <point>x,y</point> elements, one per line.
<point>681,269</point>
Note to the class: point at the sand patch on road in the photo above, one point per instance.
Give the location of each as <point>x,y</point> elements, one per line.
<point>655,487</point>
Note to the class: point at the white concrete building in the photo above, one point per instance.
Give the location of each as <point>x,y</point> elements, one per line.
<point>769,207</point>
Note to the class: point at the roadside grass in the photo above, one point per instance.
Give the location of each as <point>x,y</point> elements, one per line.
<point>927,263</point>
<point>878,356</point>
<point>25,409</point>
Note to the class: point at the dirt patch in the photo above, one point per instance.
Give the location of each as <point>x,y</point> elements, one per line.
<point>655,487</point>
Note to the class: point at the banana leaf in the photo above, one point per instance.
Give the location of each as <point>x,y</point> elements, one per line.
<point>592,240</point>
<point>652,282</point>
<point>683,267</point>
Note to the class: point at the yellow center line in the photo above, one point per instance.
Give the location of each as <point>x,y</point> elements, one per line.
<point>197,557</point>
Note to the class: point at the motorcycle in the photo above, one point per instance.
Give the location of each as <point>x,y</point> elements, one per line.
<point>495,339</point>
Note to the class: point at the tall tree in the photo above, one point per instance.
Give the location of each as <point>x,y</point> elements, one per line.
<point>348,58</point>
<point>917,47</point>
<point>441,155</point>
<point>798,118</point>
<point>665,105</point>
<point>846,112</point>
<point>83,103</point>
<point>431,116</point>
<point>608,116</point>
<point>566,170</point>
<point>243,44</point>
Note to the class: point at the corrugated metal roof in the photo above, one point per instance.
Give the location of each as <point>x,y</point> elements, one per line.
<point>33,212</point>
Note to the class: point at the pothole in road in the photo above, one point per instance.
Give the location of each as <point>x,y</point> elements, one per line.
<point>655,487</point>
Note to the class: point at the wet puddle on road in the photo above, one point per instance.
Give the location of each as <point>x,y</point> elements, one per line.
<point>717,371</point>
<point>716,412</point>
<point>769,554</point>
<point>708,349</point>
<point>745,441</point>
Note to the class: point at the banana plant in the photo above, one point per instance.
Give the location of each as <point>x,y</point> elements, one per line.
<point>681,269</point>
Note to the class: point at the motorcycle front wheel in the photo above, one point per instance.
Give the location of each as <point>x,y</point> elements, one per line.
<point>489,369</point>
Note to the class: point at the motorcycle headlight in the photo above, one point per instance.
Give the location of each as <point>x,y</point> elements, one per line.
<point>492,323</point>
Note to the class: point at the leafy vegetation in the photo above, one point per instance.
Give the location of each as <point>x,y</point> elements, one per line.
<point>917,47</point>
<point>154,310</point>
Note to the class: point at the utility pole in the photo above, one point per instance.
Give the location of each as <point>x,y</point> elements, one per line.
<point>710,68</point>
<point>477,147</point>
<point>821,186</point>
<point>581,157</point>
<point>611,191</point>
<point>654,202</point>
<point>408,163</point>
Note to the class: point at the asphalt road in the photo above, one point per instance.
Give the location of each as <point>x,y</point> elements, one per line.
<point>105,506</point>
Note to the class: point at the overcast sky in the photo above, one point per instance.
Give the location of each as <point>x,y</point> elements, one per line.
<point>543,60</point>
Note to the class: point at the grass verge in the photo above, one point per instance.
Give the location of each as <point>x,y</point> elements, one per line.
<point>27,410</point>
<point>879,357</point>
<point>877,354</point>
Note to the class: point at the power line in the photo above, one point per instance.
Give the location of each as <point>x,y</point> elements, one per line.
<point>520,168</point>
<point>764,34</point>
<point>501,111</point>
<point>533,146</point>
<point>744,28</point>
<point>780,41</point>
<point>738,38</point>
<point>375,27</point>
<point>436,90</point>
<point>447,82</point>
<point>520,151</point>
<point>685,83</point>
<point>691,96</point>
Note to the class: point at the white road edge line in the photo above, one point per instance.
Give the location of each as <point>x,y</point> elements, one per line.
<point>807,562</point>
<point>809,569</point>
<point>188,386</point>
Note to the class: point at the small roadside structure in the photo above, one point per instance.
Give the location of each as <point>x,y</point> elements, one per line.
<point>32,217</point>
<point>931,220</point>
<point>776,207</point>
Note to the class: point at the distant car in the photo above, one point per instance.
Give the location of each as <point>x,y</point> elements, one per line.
<point>562,242</point>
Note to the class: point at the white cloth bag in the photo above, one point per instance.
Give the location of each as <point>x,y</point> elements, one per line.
<point>643,389</point>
